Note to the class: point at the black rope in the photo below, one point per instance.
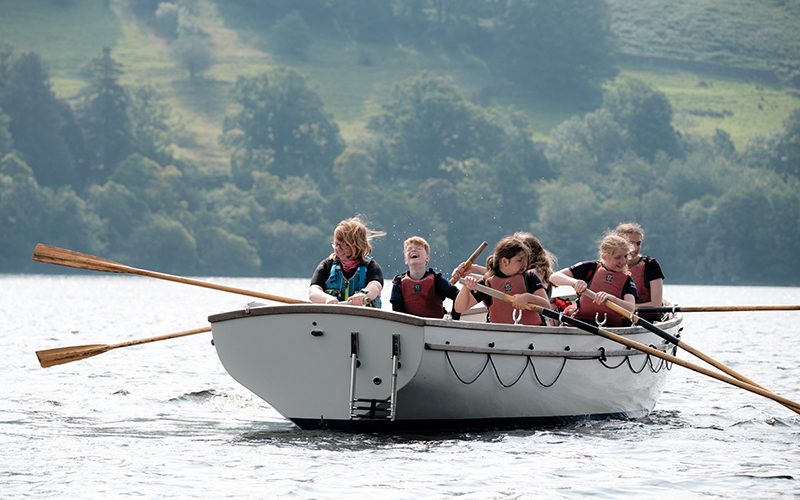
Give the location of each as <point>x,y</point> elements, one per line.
<point>608,365</point>
<point>459,377</point>
<point>558,375</point>
<point>497,375</point>
<point>648,362</point>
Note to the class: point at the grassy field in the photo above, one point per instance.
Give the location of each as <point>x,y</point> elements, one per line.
<point>69,36</point>
<point>703,103</point>
<point>65,37</point>
<point>757,34</point>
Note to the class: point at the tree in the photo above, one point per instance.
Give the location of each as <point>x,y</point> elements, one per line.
<point>222,252</point>
<point>278,244</point>
<point>646,117</point>
<point>149,182</point>
<point>152,125</point>
<point>281,118</point>
<point>558,48</point>
<point>292,199</point>
<point>291,36</point>
<point>161,242</point>
<point>787,149</point>
<point>36,123</point>
<point>355,163</point>
<point>569,220</point>
<point>119,209</point>
<point>28,211</point>
<point>166,18</point>
<point>6,141</point>
<point>427,122</point>
<point>195,53</point>
<point>22,204</point>
<point>104,117</point>
<point>588,143</point>
<point>366,20</point>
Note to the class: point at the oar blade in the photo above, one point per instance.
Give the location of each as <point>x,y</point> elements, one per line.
<point>62,355</point>
<point>63,257</point>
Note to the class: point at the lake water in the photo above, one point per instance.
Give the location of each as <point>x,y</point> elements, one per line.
<point>165,420</point>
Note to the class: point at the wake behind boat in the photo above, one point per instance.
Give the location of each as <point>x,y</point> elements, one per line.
<point>364,370</point>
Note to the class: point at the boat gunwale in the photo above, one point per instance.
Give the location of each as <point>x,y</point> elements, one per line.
<point>368,312</point>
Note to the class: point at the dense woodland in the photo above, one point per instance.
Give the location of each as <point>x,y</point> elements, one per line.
<point>100,173</point>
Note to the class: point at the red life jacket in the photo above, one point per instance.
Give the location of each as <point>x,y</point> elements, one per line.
<point>501,311</point>
<point>642,286</point>
<point>603,280</point>
<point>419,296</point>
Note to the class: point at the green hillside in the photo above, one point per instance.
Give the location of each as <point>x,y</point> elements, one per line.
<point>742,34</point>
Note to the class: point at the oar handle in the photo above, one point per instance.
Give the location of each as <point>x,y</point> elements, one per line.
<point>548,313</point>
<point>158,338</point>
<point>471,260</point>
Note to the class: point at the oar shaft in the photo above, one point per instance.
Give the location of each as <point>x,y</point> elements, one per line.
<point>688,309</point>
<point>213,286</point>
<point>62,355</point>
<point>471,259</point>
<point>158,338</point>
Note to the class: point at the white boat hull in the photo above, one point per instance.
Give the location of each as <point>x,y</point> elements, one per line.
<point>450,374</point>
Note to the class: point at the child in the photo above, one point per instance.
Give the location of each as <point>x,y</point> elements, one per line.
<point>349,274</point>
<point>542,261</point>
<point>507,271</point>
<point>645,271</point>
<point>420,290</point>
<point>608,278</point>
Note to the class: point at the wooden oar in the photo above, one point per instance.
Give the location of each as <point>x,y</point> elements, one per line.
<point>644,348</point>
<point>71,258</point>
<point>471,260</point>
<point>688,309</point>
<point>635,319</point>
<point>61,355</point>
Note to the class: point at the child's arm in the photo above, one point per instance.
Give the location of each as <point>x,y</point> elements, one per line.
<point>564,278</point>
<point>398,304</point>
<point>462,270</point>
<point>539,298</point>
<point>317,295</point>
<point>465,299</point>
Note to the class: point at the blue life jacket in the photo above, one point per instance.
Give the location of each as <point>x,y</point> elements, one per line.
<point>343,288</point>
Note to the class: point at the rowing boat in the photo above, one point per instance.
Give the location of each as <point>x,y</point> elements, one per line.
<point>366,370</point>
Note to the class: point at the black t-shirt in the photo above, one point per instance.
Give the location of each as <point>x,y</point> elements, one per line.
<point>323,272</point>
<point>652,270</point>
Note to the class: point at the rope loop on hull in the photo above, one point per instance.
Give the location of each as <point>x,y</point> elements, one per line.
<point>600,356</point>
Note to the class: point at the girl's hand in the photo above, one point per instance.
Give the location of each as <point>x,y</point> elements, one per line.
<point>521,300</point>
<point>579,286</point>
<point>461,271</point>
<point>600,297</point>
<point>330,299</point>
<point>470,282</point>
